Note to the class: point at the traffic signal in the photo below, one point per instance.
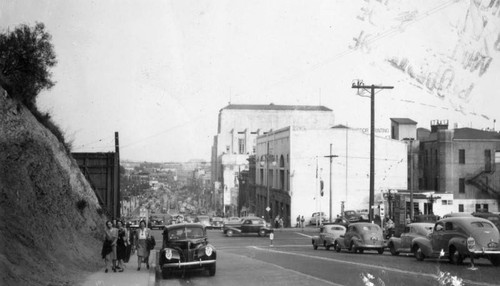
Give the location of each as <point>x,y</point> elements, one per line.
<point>321,185</point>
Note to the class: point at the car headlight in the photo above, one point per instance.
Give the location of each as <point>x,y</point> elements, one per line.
<point>471,243</point>
<point>208,251</point>
<point>168,254</point>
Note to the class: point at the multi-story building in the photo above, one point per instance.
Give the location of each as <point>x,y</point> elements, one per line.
<point>238,128</point>
<point>291,166</point>
<point>455,169</point>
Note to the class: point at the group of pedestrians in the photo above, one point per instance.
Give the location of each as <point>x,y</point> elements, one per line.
<point>300,221</point>
<point>120,242</point>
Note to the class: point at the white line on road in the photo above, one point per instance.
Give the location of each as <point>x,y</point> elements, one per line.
<point>304,234</point>
<point>433,276</point>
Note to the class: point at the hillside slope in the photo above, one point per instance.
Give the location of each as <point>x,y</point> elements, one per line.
<point>50,220</point>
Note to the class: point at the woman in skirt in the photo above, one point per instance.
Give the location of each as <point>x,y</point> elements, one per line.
<point>142,234</point>
<point>121,245</point>
<point>109,246</point>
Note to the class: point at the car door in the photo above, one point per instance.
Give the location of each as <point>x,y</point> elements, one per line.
<point>322,233</point>
<point>407,236</point>
<point>246,226</point>
<point>348,235</point>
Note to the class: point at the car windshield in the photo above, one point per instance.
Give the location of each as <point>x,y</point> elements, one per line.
<point>481,224</point>
<point>185,233</point>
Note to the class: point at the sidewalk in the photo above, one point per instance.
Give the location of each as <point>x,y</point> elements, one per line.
<point>129,277</point>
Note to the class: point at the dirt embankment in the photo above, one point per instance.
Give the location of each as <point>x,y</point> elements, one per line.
<point>50,221</point>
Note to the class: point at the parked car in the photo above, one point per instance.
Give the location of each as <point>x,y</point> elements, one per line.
<point>216,222</point>
<point>457,215</point>
<point>327,235</point>
<point>248,225</point>
<point>411,231</point>
<point>353,216</point>
<point>203,219</point>
<point>459,238</point>
<point>342,221</point>
<point>494,218</point>
<point>185,246</point>
<point>361,236</point>
<point>317,218</point>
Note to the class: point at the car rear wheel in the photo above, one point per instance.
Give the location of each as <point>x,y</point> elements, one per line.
<point>262,232</point>
<point>327,246</point>
<point>419,255</point>
<point>392,248</point>
<point>211,269</point>
<point>360,251</point>
<point>381,251</point>
<point>455,256</point>
<point>315,246</point>
<point>229,233</point>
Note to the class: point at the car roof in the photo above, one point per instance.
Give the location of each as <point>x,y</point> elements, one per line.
<point>186,224</point>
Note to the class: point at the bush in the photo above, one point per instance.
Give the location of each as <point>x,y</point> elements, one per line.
<point>81,205</point>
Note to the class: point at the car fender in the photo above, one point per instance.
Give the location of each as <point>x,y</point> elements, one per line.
<point>424,244</point>
<point>341,242</point>
<point>396,241</point>
<point>460,244</point>
<point>234,229</point>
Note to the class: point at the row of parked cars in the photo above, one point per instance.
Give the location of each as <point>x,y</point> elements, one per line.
<point>455,237</point>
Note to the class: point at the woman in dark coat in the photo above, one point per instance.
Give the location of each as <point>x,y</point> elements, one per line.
<point>108,251</point>
<point>121,245</point>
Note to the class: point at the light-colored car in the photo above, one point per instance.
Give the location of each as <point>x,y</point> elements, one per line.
<point>458,238</point>
<point>315,218</point>
<point>327,235</point>
<point>204,220</point>
<point>361,236</point>
<point>412,231</point>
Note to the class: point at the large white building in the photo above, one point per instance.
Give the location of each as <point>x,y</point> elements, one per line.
<point>238,128</point>
<point>291,163</point>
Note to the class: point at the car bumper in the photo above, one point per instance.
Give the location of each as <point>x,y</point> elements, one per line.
<point>188,264</point>
<point>479,252</point>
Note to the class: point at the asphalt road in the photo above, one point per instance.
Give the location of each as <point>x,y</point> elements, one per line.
<point>291,260</point>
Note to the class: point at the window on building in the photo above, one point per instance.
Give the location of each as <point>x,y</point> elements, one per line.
<point>436,184</point>
<point>420,183</point>
<point>461,186</point>
<point>427,157</point>
<point>436,161</point>
<point>485,207</point>
<point>478,207</point>
<point>460,208</point>
<point>241,145</point>
<point>487,160</point>
<point>461,156</point>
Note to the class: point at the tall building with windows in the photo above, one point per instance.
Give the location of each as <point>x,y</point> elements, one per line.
<point>238,127</point>
<point>464,162</point>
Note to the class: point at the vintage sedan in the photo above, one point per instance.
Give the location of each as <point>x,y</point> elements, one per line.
<point>361,236</point>
<point>327,235</point>
<point>412,231</point>
<point>185,246</point>
<point>458,238</point>
<point>248,225</point>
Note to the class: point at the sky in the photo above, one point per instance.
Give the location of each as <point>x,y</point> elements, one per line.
<point>158,72</point>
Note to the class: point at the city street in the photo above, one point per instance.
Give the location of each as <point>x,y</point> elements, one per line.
<point>251,260</point>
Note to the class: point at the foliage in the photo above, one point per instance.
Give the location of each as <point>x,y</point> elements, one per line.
<point>81,204</point>
<point>26,55</point>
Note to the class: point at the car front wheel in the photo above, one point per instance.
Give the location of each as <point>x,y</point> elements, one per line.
<point>392,248</point>
<point>495,260</point>
<point>455,256</point>
<point>211,269</point>
<point>381,251</point>
<point>262,232</point>
<point>419,255</point>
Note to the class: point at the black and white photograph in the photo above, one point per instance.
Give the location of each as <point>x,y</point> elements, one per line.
<point>238,142</point>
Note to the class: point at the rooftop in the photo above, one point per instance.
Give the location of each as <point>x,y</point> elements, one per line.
<point>277,107</point>
<point>403,121</point>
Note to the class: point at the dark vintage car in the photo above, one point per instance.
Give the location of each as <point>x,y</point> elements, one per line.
<point>327,235</point>
<point>494,218</point>
<point>411,231</point>
<point>185,246</point>
<point>458,238</point>
<point>361,236</point>
<point>216,223</point>
<point>248,225</point>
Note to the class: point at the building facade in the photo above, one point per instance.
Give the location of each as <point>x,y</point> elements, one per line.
<point>291,167</point>
<point>238,128</point>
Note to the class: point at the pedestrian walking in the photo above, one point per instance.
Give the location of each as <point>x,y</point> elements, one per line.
<point>121,245</point>
<point>142,235</point>
<point>108,251</point>
<point>302,220</point>
<point>280,222</point>
<point>298,221</point>
<point>277,221</point>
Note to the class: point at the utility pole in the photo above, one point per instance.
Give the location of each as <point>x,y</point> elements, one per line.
<point>331,158</point>
<point>359,84</point>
